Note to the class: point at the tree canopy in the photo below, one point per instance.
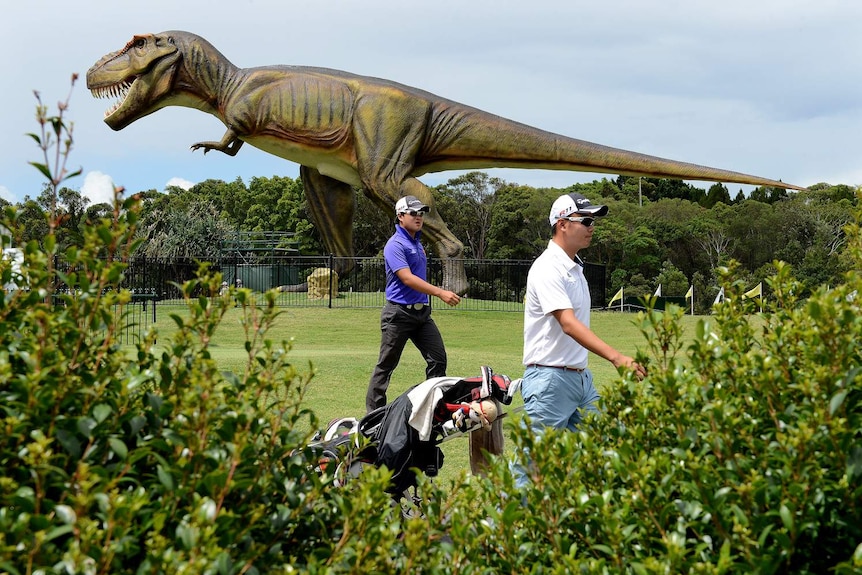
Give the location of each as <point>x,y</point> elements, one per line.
<point>654,226</point>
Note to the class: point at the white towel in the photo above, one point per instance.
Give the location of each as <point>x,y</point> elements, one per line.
<point>424,398</point>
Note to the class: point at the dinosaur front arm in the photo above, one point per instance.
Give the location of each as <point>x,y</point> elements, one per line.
<point>229,144</point>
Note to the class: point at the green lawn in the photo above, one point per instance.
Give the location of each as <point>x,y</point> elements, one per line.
<point>341,345</point>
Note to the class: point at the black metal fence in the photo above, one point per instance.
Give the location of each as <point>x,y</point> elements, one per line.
<point>495,285</point>
<point>131,320</point>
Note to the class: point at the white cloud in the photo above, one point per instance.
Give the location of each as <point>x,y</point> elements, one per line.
<point>179,183</point>
<point>98,188</point>
<point>7,195</point>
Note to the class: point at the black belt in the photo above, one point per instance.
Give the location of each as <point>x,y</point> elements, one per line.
<point>412,306</point>
<point>563,367</point>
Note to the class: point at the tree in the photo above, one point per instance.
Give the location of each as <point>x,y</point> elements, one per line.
<point>755,232</point>
<point>672,221</point>
<point>34,222</point>
<point>638,287</point>
<point>670,188</point>
<point>275,204</point>
<point>711,235</point>
<point>196,232</point>
<point>717,193</point>
<point>768,195</point>
<point>372,226</point>
<point>466,204</point>
<point>597,191</point>
<point>833,193</point>
<point>519,225</point>
<point>640,252</point>
<point>673,282</point>
<point>812,227</point>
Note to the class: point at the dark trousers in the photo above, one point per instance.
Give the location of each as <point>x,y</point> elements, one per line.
<point>397,325</point>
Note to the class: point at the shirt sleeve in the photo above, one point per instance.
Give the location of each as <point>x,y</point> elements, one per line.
<point>552,294</point>
<point>395,256</point>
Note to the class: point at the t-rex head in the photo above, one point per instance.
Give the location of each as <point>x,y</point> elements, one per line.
<point>140,75</point>
<point>149,73</point>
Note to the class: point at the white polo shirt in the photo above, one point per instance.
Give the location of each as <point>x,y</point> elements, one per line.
<point>554,282</point>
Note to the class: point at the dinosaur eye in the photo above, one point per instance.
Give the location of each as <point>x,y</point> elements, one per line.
<point>140,43</point>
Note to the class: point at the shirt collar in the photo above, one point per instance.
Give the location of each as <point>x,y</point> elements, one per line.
<point>399,229</point>
<point>561,255</point>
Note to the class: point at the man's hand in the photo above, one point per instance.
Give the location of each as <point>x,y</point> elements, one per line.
<point>449,297</point>
<point>629,363</point>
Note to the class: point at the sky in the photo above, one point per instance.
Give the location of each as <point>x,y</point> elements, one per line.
<point>771,88</point>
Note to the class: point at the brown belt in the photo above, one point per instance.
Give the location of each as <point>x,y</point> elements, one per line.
<point>563,367</point>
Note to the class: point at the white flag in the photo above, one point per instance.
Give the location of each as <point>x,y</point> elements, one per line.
<point>720,297</point>
<point>657,291</point>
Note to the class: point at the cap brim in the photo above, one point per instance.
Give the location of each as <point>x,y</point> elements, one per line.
<point>597,211</point>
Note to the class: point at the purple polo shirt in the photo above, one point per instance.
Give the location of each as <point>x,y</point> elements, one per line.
<point>401,252</point>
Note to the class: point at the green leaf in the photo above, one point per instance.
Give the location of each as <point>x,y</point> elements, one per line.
<point>7,567</point>
<point>44,169</point>
<point>101,412</point>
<point>137,423</point>
<point>73,174</point>
<point>59,532</point>
<point>836,401</point>
<point>786,517</point>
<point>165,478</point>
<point>57,125</point>
<point>187,536</point>
<point>814,309</point>
<point>854,463</point>
<point>86,426</point>
<point>604,549</point>
<point>65,514</point>
<point>118,447</point>
<point>70,443</point>
<point>764,534</point>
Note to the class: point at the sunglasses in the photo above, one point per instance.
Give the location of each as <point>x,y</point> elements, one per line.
<point>413,213</point>
<point>586,221</point>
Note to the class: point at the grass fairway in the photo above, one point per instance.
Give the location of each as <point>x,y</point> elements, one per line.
<point>341,346</point>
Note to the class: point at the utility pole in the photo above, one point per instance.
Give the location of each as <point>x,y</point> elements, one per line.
<point>640,196</point>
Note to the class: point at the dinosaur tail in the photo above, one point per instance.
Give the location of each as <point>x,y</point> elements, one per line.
<point>467,138</point>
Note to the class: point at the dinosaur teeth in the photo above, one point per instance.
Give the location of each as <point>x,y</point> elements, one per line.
<point>117,91</point>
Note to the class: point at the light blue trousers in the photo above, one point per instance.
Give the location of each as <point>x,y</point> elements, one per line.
<point>555,398</point>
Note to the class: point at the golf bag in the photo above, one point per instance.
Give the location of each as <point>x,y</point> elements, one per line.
<point>405,435</point>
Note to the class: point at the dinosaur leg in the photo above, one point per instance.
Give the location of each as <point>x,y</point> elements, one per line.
<point>386,149</point>
<point>332,205</point>
<point>447,246</point>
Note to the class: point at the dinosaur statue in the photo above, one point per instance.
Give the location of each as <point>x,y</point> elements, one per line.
<point>350,131</point>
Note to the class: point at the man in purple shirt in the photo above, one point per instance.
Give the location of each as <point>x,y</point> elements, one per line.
<point>407,313</point>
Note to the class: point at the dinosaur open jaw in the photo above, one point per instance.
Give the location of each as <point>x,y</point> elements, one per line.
<point>119,91</point>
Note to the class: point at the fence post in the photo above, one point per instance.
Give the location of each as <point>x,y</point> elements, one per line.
<point>155,298</point>
<point>331,271</point>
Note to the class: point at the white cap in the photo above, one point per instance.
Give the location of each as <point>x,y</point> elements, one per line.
<point>410,204</point>
<point>575,203</point>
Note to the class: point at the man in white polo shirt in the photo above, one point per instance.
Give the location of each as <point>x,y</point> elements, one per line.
<point>558,386</point>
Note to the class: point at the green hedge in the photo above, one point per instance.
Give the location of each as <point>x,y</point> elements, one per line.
<point>740,453</point>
